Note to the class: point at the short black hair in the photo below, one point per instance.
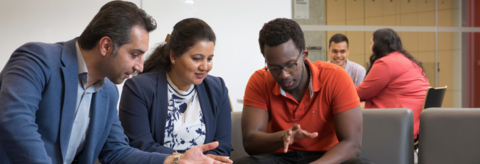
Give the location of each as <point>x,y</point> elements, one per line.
<point>115,20</point>
<point>279,31</point>
<point>337,38</point>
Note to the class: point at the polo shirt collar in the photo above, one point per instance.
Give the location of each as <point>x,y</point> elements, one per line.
<point>314,84</point>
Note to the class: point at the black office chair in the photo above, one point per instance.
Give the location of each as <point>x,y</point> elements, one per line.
<point>433,99</point>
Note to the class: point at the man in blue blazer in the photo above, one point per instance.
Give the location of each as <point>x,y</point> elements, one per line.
<point>57,106</point>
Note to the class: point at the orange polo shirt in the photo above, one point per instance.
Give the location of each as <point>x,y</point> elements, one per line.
<point>331,91</point>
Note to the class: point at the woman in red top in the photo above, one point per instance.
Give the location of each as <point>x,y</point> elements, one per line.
<point>395,79</point>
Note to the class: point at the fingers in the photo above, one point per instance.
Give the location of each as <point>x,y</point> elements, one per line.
<point>309,135</point>
<point>219,158</point>
<point>305,133</point>
<point>209,146</point>
<point>313,135</point>
<point>285,145</point>
<point>217,162</point>
<point>295,127</point>
<point>286,141</point>
<point>296,133</point>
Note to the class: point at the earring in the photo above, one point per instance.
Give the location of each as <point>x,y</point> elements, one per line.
<point>173,61</point>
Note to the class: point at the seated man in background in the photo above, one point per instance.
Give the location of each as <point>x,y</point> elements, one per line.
<point>296,111</point>
<point>57,105</point>
<point>338,51</point>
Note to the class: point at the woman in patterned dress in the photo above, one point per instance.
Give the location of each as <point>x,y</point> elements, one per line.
<point>174,105</point>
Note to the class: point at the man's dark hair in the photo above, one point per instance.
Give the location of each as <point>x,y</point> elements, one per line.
<point>115,20</point>
<point>185,35</point>
<point>279,31</point>
<point>337,38</point>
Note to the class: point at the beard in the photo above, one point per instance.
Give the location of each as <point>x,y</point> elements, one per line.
<point>111,70</point>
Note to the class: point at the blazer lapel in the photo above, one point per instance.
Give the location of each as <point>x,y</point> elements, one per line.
<point>98,112</point>
<point>207,110</point>
<point>98,117</point>
<point>70,84</point>
<point>160,110</point>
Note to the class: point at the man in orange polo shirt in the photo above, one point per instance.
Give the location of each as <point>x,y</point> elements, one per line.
<point>296,111</point>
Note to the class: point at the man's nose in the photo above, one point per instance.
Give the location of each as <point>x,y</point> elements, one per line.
<point>139,65</point>
<point>284,74</point>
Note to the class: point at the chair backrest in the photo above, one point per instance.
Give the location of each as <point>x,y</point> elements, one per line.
<point>388,136</point>
<point>237,141</point>
<point>449,135</point>
<point>434,97</point>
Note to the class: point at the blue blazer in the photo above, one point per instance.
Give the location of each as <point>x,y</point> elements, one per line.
<point>38,94</point>
<point>144,107</point>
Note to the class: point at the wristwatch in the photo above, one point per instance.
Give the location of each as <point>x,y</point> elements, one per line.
<point>176,159</point>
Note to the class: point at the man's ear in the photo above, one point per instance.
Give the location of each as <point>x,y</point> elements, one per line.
<point>305,53</point>
<point>105,45</point>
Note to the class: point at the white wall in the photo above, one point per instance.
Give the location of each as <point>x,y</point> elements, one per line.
<point>49,21</point>
<point>236,24</point>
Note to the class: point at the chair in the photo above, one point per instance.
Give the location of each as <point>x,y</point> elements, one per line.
<point>449,135</point>
<point>434,97</point>
<point>237,141</point>
<point>387,136</point>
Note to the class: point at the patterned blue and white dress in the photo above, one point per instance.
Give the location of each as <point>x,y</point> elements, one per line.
<point>185,127</point>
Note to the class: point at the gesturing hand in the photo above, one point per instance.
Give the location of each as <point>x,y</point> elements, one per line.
<point>195,155</point>
<point>219,158</point>
<point>296,133</point>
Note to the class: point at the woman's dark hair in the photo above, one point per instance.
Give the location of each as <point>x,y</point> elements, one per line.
<point>279,31</point>
<point>115,20</point>
<point>386,41</point>
<point>184,36</point>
